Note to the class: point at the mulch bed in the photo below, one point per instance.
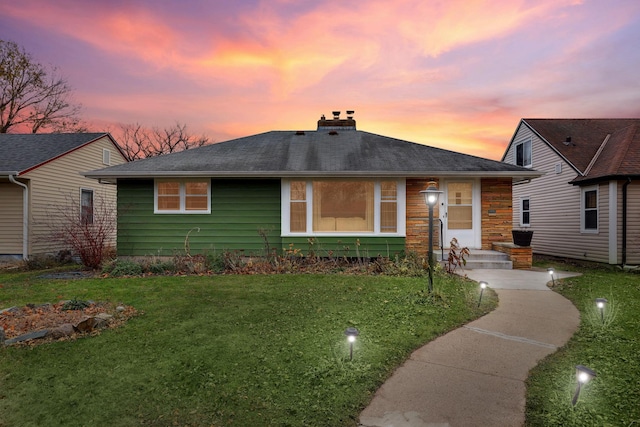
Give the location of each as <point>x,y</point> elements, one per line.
<point>32,318</point>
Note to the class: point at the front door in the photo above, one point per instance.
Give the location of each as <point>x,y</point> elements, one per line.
<point>460,215</point>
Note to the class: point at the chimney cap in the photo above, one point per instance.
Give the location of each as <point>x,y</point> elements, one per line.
<point>336,123</point>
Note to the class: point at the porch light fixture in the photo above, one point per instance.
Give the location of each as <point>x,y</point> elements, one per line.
<point>351,334</point>
<point>431,195</point>
<point>583,376</point>
<point>601,303</point>
<point>550,270</point>
<point>483,286</point>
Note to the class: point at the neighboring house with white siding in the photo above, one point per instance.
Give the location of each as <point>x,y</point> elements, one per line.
<point>41,172</point>
<point>587,203</point>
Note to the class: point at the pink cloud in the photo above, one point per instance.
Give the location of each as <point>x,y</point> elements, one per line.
<point>457,74</point>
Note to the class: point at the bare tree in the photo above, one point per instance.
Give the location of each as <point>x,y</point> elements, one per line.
<point>32,97</point>
<point>138,142</point>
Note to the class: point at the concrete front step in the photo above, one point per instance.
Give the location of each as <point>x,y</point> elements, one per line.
<point>481,259</point>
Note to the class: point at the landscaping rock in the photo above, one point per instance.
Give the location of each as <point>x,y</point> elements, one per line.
<point>64,330</point>
<point>101,320</point>
<point>27,337</point>
<point>85,325</point>
<point>10,310</point>
<point>120,308</point>
<point>104,316</point>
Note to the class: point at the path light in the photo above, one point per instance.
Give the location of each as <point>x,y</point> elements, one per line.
<point>431,195</point>
<point>351,334</point>
<point>583,376</point>
<point>551,271</point>
<point>601,303</point>
<point>483,286</point>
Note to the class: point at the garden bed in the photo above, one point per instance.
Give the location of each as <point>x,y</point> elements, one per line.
<point>64,320</point>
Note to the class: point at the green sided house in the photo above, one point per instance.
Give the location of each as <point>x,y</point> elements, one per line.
<point>334,187</point>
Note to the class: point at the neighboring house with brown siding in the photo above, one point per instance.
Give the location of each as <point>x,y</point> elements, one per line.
<point>41,172</point>
<point>334,190</point>
<point>587,203</point>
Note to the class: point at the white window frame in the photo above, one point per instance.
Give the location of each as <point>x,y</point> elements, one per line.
<point>400,200</point>
<point>524,143</point>
<point>583,191</point>
<point>522,223</point>
<point>93,204</point>
<point>182,209</point>
<point>106,157</point>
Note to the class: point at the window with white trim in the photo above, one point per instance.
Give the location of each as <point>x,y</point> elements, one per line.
<point>589,209</point>
<point>86,206</point>
<point>190,196</point>
<point>525,212</point>
<point>338,206</point>
<point>523,153</point>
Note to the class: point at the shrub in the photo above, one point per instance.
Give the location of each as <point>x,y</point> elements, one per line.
<point>75,304</point>
<point>122,267</point>
<point>87,233</point>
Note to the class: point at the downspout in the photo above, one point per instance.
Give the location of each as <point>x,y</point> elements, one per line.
<point>25,217</point>
<point>624,221</point>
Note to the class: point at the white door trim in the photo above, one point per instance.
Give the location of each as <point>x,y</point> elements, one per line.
<point>474,241</point>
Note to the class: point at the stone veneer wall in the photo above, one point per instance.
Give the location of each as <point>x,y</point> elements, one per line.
<point>497,211</point>
<point>418,218</point>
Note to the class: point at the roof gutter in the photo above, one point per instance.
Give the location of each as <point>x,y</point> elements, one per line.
<point>292,174</point>
<point>25,214</point>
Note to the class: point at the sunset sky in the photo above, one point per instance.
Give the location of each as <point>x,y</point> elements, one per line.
<point>452,74</point>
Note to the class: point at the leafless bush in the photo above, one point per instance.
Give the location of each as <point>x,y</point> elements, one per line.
<point>88,232</point>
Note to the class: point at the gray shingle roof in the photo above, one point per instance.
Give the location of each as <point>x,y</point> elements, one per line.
<point>21,152</point>
<point>313,153</point>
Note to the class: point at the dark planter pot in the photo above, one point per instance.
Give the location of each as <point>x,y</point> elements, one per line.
<point>522,237</point>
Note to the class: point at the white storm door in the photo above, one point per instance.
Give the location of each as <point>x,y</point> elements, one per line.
<point>461,213</point>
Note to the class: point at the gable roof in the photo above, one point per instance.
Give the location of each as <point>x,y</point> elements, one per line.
<point>598,149</point>
<point>24,152</point>
<point>325,152</point>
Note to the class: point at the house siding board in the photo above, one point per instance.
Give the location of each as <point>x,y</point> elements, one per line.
<point>11,196</point>
<point>239,209</point>
<point>555,206</point>
<point>52,182</point>
<point>633,222</point>
<point>497,199</point>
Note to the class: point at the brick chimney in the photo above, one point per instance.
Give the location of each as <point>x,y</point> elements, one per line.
<point>337,123</point>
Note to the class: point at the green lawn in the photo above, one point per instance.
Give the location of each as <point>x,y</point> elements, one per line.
<point>253,350</point>
<point>610,348</point>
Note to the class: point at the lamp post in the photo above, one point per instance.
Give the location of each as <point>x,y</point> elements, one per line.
<point>583,375</point>
<point>431,195</point>
<point>600,303</point>
<point>483,286</point>
<point>551,271</point>
<point>351,334</point>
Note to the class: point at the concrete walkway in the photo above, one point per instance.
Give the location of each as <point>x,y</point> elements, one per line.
<point>474,375</point>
